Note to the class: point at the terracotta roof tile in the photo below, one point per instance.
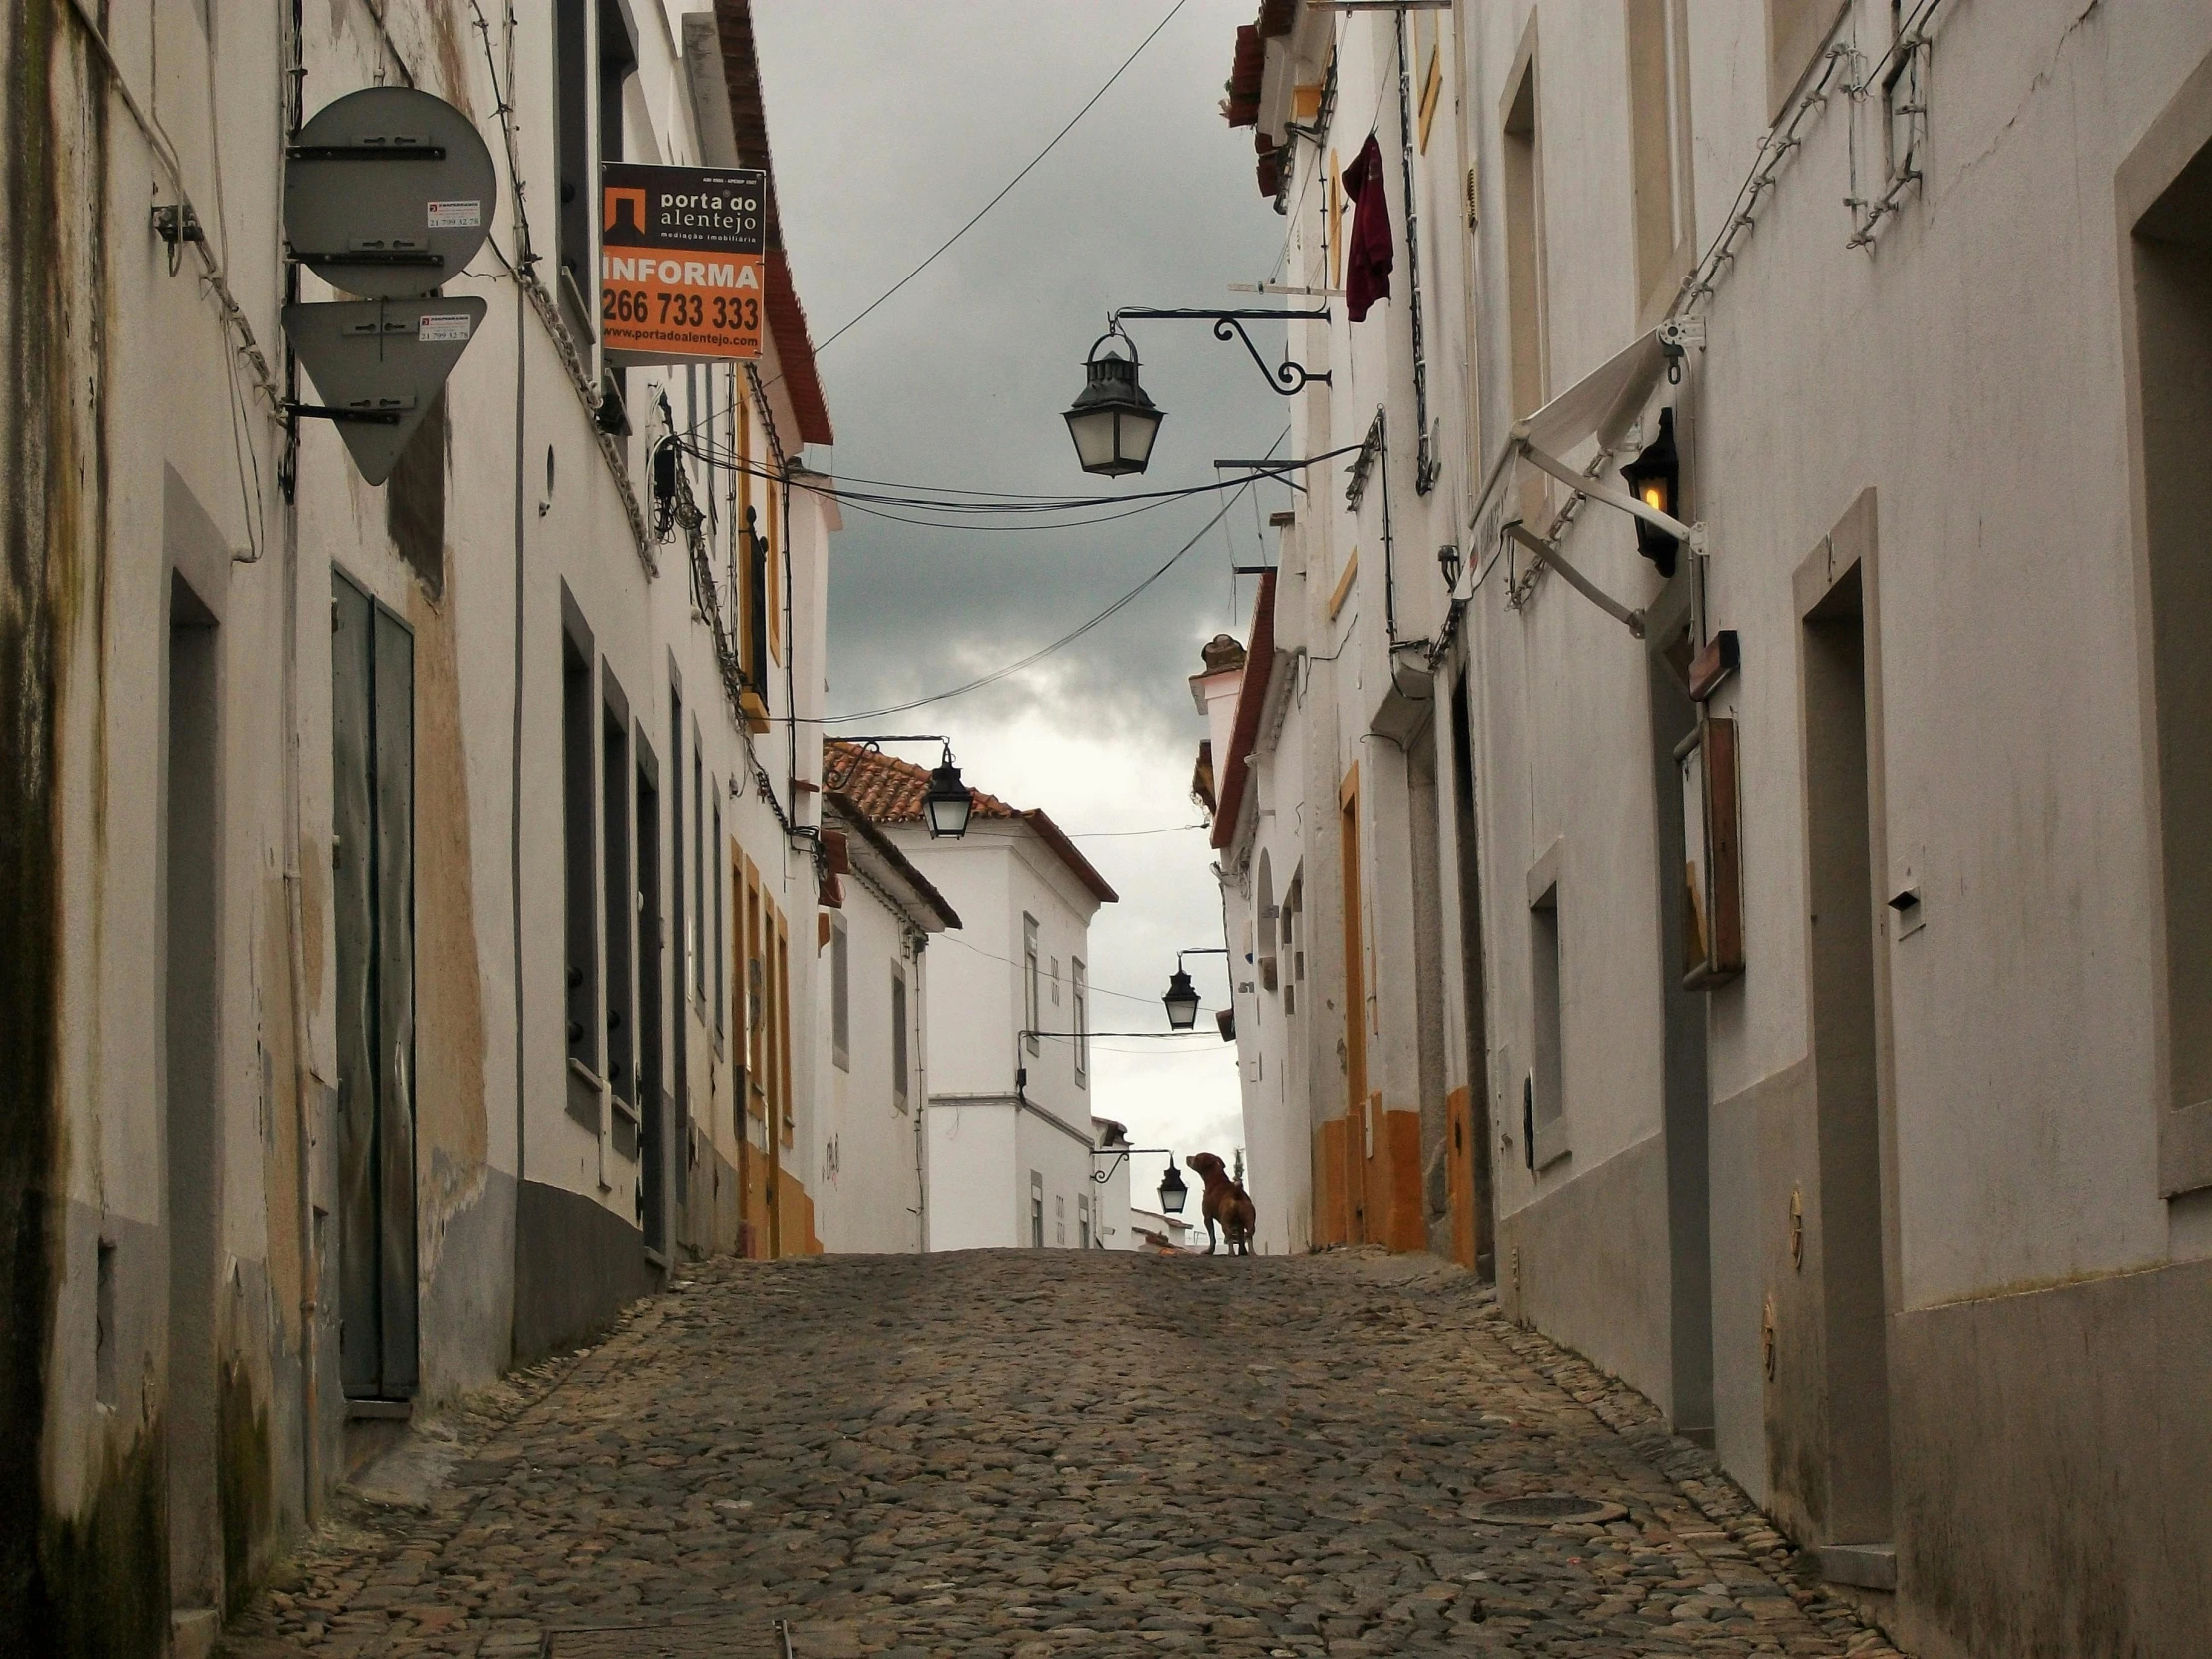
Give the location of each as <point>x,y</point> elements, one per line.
<point>1241,106</point>
<point>889,790</point>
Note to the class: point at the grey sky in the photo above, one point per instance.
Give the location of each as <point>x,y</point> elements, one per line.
<point>892,120</point>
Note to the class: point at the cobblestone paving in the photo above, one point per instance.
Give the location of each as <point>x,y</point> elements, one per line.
<point>1014,1454</point>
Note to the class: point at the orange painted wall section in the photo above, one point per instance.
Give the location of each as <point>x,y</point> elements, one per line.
<point>1397,1147</point>
<point>784,1227</point>
<point>752,1208</point>
<point>1331,1214</point>
<point>1460,1174</point>
<point>1364,1196</point>
<point>798,1214</point>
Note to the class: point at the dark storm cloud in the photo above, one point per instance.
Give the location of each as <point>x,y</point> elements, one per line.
<point>893,121</point>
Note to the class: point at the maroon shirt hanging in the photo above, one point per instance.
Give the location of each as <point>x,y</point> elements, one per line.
<point>1371,252</point>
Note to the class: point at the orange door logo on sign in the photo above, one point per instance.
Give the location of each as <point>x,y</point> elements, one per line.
<point>680,260</point>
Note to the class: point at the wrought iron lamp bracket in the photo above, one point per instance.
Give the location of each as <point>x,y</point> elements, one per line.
<point>1284,379</point>
<point>1121,1154</point>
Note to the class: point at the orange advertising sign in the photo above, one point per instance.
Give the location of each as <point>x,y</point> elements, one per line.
<point>680,260</point>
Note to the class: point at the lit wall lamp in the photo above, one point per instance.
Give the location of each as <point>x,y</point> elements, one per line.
<point>1655,479</point>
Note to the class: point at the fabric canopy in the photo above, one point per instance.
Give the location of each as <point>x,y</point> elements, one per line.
<point>1600,404</point>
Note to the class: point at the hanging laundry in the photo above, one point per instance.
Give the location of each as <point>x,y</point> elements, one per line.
<point>1371,252</point>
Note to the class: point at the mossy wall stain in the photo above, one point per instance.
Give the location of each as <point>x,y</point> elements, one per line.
<point>95,1582</point>
<point>450,1110</point>
<point>38,528</point>
<point>243,1482</point>
<point>100,1585</point>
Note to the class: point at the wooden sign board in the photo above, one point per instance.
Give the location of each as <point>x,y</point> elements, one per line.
<point>680,262</point>
<point>1712,869</point>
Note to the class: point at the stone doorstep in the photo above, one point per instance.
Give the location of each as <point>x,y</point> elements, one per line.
<point>1865,1566</point>
<point>193,1632</point>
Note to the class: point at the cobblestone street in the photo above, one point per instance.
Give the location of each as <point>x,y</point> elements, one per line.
<point>1025,1453</point>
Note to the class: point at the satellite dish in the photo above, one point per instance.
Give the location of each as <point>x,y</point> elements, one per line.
<point>378,364</point>
<point>388,193</point>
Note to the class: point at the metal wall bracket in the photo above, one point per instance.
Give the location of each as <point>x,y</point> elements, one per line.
<point>1284,379</point>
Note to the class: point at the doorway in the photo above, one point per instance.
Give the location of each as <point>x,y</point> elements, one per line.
<point>1424,859</point>
<point>1472,1126</point>
<point>654,1152</point>
<point>191,869</point>
<point>1674,718</point>
<point>372,880</point>
<point>1840,896</point>
<point>1359,1133</point>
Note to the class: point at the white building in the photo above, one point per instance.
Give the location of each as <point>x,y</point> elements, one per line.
<point>1154,1231</point>
<point>1110,1227</point>
<point>1246,698</point>
<point>1008,1136</point>
<point>414,886</point>
<point>1780,958</point>
<point>872,1032</point>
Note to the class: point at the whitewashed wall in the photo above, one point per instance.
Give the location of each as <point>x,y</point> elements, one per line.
<point>867,1146</point>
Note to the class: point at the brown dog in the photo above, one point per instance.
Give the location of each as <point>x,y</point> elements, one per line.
<point>1225,1202</point>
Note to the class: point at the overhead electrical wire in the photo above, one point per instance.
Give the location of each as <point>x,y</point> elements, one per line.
<point>1073,634</point>
<point>980,503</point>
<point>1062,524</point>
<point>1118,835</point>
<point>871,309</point>
<point>1090,989</point>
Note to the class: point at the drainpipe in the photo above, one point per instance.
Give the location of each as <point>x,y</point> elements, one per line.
<point>303,1085</point>
<point>514,780</point>
<point>1426,464</point>
<point>916,1015</point>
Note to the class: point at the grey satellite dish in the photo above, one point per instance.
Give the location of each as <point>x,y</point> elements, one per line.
<point>378,364</point>
<point>388,193</point>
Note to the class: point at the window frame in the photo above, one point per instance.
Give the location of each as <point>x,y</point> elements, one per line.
<point>1033,987</point>
<point>2160,312</point>
<point>580,835</point>
<point>1796,30</point>
<point>1079,978</point>
<point>902,1064</point>
<point>840,995</point>
<point>1549,1140</point>
<point>1663,197</point>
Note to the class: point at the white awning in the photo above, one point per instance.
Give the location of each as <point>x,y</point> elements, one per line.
<point>1603,404</point>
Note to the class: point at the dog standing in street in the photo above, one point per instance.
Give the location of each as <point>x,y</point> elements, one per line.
<point>1226,1203</point>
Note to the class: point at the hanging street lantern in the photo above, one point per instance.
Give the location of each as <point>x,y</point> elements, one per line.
<point>1655,477</point>
<point>948,805</point>
<point>1171,1190</point>
<point>1112,421</point>
<point>1181,1001</point>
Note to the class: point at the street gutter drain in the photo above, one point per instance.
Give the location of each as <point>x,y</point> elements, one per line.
<point>1548,1509</point>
